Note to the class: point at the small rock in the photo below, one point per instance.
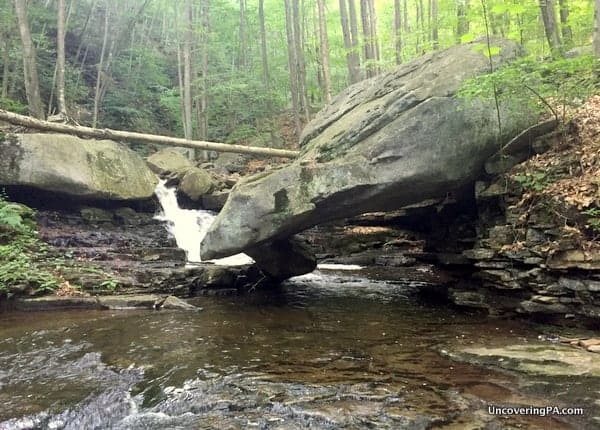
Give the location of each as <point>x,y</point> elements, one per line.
<point>128,216</point>
<point>196,183</point>
<point>586,343</point>
<point>479,254</point>
<point>535,237</point>
<point>594,348</point>
<point>394,260</point>
<point>172,302</point>
<point>215,201</point>
<point>96,215</point>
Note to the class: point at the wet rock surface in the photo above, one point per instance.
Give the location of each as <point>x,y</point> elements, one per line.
<point>108,252</point>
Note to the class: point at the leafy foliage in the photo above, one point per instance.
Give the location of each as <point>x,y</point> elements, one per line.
<point>535,83</point>
<point>21,252</point>
<point>536,181</point>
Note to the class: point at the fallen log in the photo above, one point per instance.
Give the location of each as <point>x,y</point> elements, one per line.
<point>105,133</point>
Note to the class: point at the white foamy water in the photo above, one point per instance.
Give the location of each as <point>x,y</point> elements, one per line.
<point>189,227</point>
<point>328,266</point>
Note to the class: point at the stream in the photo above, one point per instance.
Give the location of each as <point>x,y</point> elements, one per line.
<point>326,350</point>
<point>331,349</point>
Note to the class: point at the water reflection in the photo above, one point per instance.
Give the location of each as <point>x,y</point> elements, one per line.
<point>324,351</point>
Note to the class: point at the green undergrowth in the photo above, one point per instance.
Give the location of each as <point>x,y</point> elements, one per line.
<point>22,253</point>
<point>550,86</point>
<point>28,265</point>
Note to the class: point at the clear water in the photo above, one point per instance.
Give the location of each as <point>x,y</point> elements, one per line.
<point>325,351</point>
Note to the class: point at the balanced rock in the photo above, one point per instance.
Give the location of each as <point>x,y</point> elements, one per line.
<point>383,143</point>
<point>83,168</point>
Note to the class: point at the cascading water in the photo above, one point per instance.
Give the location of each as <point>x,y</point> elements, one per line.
<point>189,227</point>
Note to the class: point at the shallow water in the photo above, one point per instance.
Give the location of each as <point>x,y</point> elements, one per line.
<point>324,351</point>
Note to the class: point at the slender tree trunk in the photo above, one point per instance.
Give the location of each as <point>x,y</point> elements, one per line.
<point>188,40</point>
<point>301,64</point>
<point>85,26</point>
<point>405,14</point>
<point>60,60</point>
<point>351,55</point>
<point>398,31</point>
<point>243,45</point>
<point>434,24</point>
<point>462,13</point>
<point>203,117</point>
<point>419,25</point>
<point>5,66</point>
<point>100,66</point>
<point>354,38</point>
<point>550,27</point>
<point>32,86</point>
<point>127,136</point>
<point>292,64</point>
<point>596,37</point>
<point>263,46</point>
<point>180,82</point>
<point>567,32</point>
<point>367,43</point>
<point>324,49</point>
<point>374,37</point>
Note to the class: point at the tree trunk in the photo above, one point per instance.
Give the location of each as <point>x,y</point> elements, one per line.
<point>374,37</point>
<point>292,64</point>
<point>100,66</point>
<point>243,45</point>
<point>354,38</point>
<point>32,86</point>
<point>398,31</point>
<point>126,136</point>
<point>324,49</point>
<point>60,60</point>
<point>5,67</point>
<point>550,27</point>
<point>367,45</point>
<point>567,32</point>
<point>596,36</point>
<point>263,46</point>
<point>188,40</point>
<point>301,64</point>
<point>462,14</point>
<point>351,55</point>
<point>85,26</point>
<point>203,113</point>
<point>434,24</point>
<point>419,25</point>
<point>405,14</point>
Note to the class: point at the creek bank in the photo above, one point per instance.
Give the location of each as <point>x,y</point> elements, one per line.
<point>103,253</point>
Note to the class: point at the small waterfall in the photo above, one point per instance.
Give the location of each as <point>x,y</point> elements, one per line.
<point>189,227</point>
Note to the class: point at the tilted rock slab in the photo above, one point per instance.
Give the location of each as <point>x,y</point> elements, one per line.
<point>382,144</point>
<point>81,168</point>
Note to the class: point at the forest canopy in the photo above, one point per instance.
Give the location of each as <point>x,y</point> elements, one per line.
<point>247,70</point>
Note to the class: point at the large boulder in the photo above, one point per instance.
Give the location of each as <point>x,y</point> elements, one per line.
<point>384,143</point>
<point>81,168</point>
